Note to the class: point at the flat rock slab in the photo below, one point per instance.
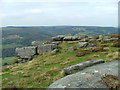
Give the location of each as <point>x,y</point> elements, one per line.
<point>75,68</point>
<point>89,77</point>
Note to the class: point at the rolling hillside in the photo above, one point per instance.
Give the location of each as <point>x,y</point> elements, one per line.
<point>44,33</point>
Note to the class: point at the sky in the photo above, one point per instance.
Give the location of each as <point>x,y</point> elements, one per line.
<point>59,13</point>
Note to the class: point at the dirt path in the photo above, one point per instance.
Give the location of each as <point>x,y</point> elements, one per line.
<point>89,77</point>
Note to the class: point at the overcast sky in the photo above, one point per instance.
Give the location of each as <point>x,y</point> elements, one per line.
<point>52,13</point>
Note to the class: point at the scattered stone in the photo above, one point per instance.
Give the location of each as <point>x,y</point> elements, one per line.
<point>54,51</point>
<point>84,40</point>
<point>111,39</point>
<point>72,49</point>
<point>82,44</point>
<point>92,40</point>
<point>92,45</point>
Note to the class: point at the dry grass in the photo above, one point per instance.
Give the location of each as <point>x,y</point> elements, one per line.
<point>83,53</point>
<point>117,44</point>
<point>96,37</point>
<point>98,49</point>
<point>111,81</point>
<point>115,36</point>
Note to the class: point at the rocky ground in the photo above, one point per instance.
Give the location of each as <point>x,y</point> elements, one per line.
<point>89,77</point>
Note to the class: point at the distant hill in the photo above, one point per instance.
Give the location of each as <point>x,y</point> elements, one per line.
<point>44,33</point>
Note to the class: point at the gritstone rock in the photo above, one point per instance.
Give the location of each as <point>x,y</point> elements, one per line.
<point>82,44</point>
<point>26,52</point>
<point>47,48</point>
<point>75,68</point>
<point>58,38</point>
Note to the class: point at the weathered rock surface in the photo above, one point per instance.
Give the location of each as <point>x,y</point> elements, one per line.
<point>71,38</point>
<point>75,68</point>
<point>82,44</point>
<point>56,42</point>
<point>26,52</point>
<point>111,39</point>
<point>58,38</point>
<point>81,36</point>
<point>46,48</point>
<point>68,37</point>
<point>37,43</point>
<point>72,49</point>
<point>88,78</point>
<point>54,51</point>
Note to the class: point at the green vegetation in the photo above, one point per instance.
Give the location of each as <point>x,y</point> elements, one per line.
<point>45,69</point>
<point>8,60</point>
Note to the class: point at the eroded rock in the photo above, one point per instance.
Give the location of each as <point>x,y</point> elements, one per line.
<point>26,52</point>
<point>47,48</point>
<point>75,68</point>
<point>82,44</point>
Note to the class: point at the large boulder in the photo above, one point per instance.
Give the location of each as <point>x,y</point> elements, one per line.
<point>111,39</point>
<point>58,38</point>
<point>75,68</point>
<point>92,40</point>
<point>81,36</point>
<point>72,38</point>
<point>67,38</point>
<point>26,52</point>
<point>82,44</point>
<point>46,48</point>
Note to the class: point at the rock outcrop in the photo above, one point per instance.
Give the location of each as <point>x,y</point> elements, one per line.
<point>68,37</point>
<point>43,47</point>
<point>58,38</point>
<point>26,52</point>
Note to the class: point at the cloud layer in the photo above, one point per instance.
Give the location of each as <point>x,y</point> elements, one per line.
<point>88,12</point>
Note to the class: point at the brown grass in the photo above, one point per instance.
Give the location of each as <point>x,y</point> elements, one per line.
<point>115,36</point>
<point>98,49</point>
<point>82,53</point>
<point>96,37</point>
<point>111,81</point>
<point>117,44</point>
